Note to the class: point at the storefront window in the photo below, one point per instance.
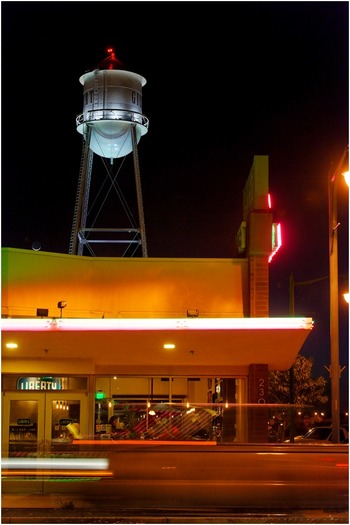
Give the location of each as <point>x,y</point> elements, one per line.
<point>163,408</point>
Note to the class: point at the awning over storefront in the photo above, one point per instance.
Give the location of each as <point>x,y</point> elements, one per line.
<point>138,344</point>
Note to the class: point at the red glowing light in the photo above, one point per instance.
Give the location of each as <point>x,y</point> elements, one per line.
<point>111,61</point>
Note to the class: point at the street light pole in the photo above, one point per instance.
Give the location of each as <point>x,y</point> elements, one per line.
<point>334,299</point>
<point>292,286</point>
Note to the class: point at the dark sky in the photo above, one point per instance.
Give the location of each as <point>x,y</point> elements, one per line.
<point>225,81</point>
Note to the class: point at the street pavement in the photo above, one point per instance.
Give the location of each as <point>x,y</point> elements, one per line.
<point>35,508</point>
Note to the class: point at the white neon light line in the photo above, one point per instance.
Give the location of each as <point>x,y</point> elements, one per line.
<point>198,323</point>
<point>52,463</point>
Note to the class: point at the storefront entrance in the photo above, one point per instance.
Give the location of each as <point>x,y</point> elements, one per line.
<point>35,424</point>
<point>38,423</point>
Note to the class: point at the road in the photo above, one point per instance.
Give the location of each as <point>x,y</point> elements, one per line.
<point>234,478</point>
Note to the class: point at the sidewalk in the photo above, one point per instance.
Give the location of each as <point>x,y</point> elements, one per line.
<point>43,501</point>
<point>70,508</point>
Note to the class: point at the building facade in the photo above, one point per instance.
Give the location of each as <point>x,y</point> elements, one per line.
<point>122,348</point>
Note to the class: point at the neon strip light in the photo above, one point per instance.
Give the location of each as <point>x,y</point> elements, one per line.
<point>191,324</point>
<point>52,463</point>
<point>143,442</point>
<point>50,474</point>
<point>276,239</point>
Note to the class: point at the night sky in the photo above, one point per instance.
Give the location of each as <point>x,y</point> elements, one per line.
<point>225,81</point>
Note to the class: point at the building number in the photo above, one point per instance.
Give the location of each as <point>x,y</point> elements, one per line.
<point>261,391</point>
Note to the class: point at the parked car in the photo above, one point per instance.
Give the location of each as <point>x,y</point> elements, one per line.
<point>321,435</point>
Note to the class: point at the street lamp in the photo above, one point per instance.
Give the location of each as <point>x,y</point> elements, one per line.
<point>333,291</point>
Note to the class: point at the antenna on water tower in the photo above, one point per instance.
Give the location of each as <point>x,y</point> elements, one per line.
<point>112,125</point>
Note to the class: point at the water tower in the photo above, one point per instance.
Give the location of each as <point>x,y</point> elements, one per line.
<point>112,125</point>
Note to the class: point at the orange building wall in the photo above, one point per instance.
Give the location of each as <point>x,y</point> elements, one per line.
<point>122,287</point>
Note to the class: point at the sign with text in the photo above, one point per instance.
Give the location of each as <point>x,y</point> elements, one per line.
<point>39,383</point>
<point>65,421</point>
<point>23,421</point>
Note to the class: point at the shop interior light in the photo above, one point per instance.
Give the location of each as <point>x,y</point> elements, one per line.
<point>11,345</point>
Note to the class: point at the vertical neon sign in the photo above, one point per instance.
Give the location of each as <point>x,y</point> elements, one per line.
<point>276,239</point>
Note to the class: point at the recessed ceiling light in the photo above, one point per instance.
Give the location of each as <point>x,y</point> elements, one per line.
<point>169,346</point>
<point>11,345</point>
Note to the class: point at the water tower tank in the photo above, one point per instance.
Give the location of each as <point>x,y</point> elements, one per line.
<point>112,106</point>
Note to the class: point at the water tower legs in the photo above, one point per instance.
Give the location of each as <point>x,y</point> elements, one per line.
<point>82,197</point>
<point>81,235</point>
<point>139,193</point>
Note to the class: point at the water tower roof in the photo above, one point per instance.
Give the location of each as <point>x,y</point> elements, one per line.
<point>111,61</point>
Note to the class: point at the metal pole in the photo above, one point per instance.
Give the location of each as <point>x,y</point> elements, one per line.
<point>139,193</point>
<point>82,197</point>
<point>333,297</point>
<point>291,295</point>
<point>334,309</point>
<point>291,370</point>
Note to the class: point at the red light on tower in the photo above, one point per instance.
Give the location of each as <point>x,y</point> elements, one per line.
<point>111,61</point>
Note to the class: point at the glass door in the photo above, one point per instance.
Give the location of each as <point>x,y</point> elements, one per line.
<point>36,425</point>
<point>23,424</point>
<point>67,420</point>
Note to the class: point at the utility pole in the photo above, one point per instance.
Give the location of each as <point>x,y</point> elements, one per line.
<point>334,297</point>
